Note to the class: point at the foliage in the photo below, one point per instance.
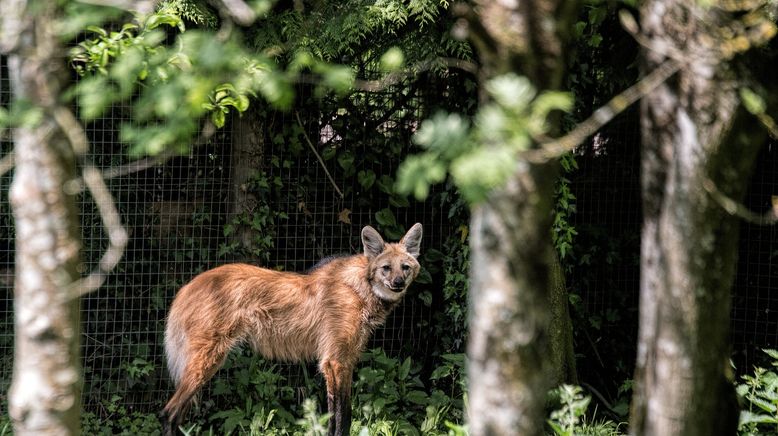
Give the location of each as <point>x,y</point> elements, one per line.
<point>260,220</point>
<point>481,157</point>
<point>604,57</point>
<point>569,418</point>
<point>562,231</point>
<point>759,393</point>
<point>573,405</point>
<point>451,321</point>
<point>389,398</point>
<point>389,394</point>
<point>171,70</point>
<point>194,11</point>
<point>174,81</point>
<point>196,75</point>
<point>118,420</point>
<point>371,36</point>
<point>5,425</point>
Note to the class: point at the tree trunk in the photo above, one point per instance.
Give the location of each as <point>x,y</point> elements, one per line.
<point>508,348</point>
<point>248,149</point>
<point>693,134</point>
<point>45,395</point>
<point>509,372</point>
<point>562,368</point>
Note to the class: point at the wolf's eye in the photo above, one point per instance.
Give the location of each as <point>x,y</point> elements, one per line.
<point>386,267</point>
<point>406,267</point>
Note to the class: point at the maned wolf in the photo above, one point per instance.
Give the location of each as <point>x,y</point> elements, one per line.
<point>326,314</point>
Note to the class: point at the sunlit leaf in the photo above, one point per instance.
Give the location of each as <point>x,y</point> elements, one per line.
<point>392,60</point>
<point>511,91</point>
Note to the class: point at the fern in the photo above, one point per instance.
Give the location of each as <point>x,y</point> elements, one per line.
<point>195,11</point>
<point>424,11</point>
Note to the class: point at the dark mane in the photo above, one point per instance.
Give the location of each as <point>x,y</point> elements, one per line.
<point>325,261</point>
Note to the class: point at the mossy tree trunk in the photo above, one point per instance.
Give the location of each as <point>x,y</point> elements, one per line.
<point>562,367</point>
<point>45,395</point>
<point>511,254</point>
<point>695,135</point>
<point>248,148</point>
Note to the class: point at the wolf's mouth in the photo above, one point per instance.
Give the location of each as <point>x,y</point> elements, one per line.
<point>396,288</point>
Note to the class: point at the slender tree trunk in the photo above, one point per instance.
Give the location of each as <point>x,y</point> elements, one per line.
<point>248,149</point>
<point>562,367</point>
<point>509,373</point>
<point>45,395</point>
<point>694,135</point>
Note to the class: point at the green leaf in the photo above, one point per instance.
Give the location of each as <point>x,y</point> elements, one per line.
<point>276,89</point>
<point>595,40</point>
<point>346,160</point>
<point>218,118</point>
<point>762,404</point>
<point>425,297</point>
<point>546,103</point>
<point>417,173</point>
<point>424,277</point>
<point>478,172</point>
<point>446,134</point>
<point>417,397</point>
<point>386,184</point>
<point>339,78</point>
<point>556,428</point>
<point>752,101</point>
<point>399,201</point>
<point>511,91</point>
<point>385,217</point>
<point>95,94</point>
<point>404,369</point>
<point>392,60</point>
<point>159,19</point>
<point>440,372</point>
<point>747,417</point>
<point>366,178</point>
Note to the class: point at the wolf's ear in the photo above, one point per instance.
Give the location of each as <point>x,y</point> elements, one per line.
<point>412,240</point>
<point>372,241</point>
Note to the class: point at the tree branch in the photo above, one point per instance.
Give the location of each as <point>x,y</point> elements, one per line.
<point>92,178</point>
<point>236,10</point>
<point>555,148</point>
<point>7,163</point>
<point>117,235</point>
<point>735,208</point>
<point>397,76</point>
<point>145,163</point>
<point>321,161</point>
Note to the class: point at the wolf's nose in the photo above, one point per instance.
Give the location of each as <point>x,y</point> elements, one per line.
<point>398,282</point>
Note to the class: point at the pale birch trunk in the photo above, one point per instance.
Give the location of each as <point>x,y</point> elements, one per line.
<point>45,395</point>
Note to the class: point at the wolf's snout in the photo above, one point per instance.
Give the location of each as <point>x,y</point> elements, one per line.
<point>398,282</point>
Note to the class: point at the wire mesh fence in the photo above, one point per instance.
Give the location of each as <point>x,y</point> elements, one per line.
<point>315,179</point>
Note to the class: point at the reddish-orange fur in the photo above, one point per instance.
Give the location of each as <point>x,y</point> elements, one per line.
<point>327,314</point>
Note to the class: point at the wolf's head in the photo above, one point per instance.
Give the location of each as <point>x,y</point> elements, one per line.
<point>392,266</point>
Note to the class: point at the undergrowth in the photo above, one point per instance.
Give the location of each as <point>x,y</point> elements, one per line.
<point>759,399</point>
